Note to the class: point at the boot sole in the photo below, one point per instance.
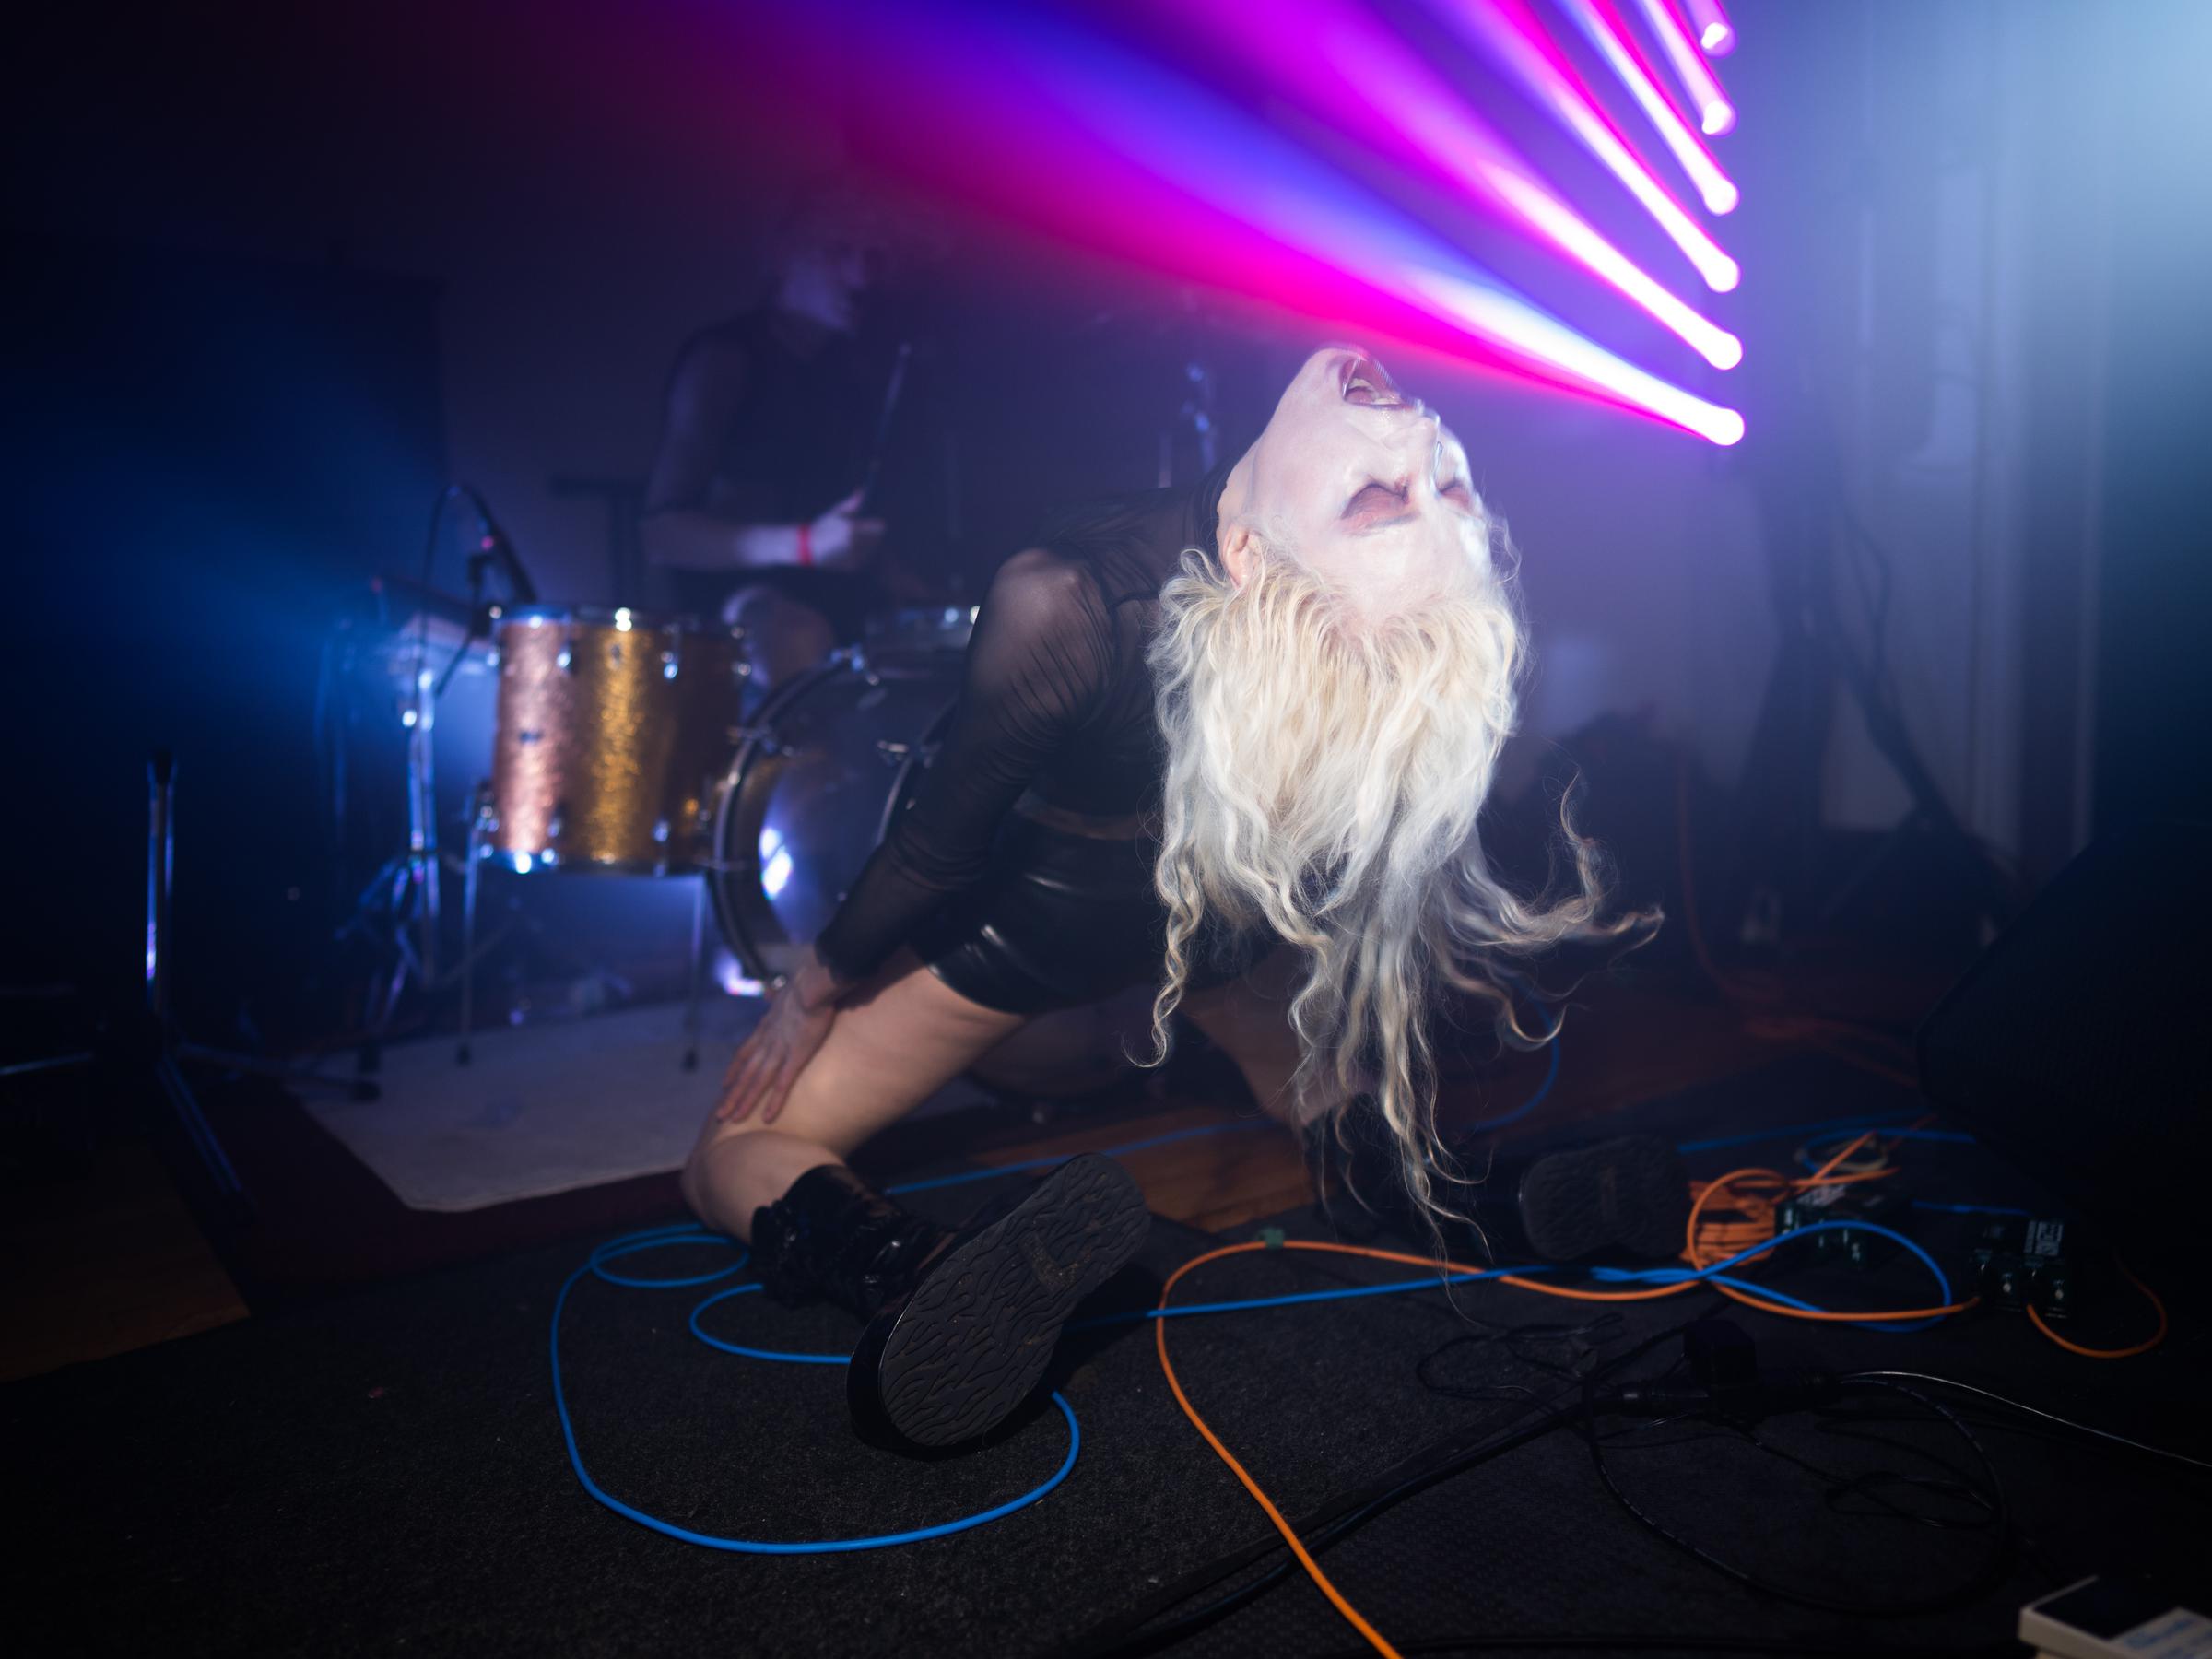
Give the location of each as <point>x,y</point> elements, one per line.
<point>1632,1194</point>
<point>977,1334</point>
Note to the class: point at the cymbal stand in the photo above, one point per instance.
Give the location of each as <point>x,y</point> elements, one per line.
<point>414,873</point>
<point>479,826</point>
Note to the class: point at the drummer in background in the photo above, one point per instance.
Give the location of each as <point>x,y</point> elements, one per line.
<point>753,512</point>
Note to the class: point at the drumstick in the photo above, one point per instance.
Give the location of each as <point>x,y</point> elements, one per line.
<point>883,427</point>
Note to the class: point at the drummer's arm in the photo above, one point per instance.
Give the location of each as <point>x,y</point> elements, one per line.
<point>678,530</point>
<point>1038,664</point>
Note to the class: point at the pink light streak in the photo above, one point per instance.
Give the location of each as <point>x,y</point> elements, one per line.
<point>1716,34</point>
<point>1346,67</point>
<point>1064,133</point>
<point>1508,33</point>
<point>1715,113</point>
<point>1601,24</point>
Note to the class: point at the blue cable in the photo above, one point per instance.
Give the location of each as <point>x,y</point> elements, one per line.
<point>1534,1101</point>
<point>659,1238</point>
<point>1551,1075</point>
<point>1675,1276</point>
<point>1184,1310</point>
<point>1809,1155</point>
<point>753,1353</point>
<point>1056,1162</point>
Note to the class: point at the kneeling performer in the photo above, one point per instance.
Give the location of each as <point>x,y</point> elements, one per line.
<point>1229,740</point>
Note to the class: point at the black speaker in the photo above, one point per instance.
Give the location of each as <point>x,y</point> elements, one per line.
<point>2076,1046</point>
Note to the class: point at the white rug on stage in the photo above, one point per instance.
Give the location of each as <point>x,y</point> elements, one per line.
<point>546,1108</point>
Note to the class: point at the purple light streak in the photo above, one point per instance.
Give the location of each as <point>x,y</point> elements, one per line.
<point>1348,68</point>
<point>1601,24</point>
<point>1716,34</point>
<point>1715,113</point>
<point>1067,134</point>
<point>1507,32</point>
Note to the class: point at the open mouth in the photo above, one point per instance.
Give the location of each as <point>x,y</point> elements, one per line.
<point>1364,382</point>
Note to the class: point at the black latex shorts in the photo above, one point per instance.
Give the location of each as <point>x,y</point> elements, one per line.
<point>1061,920</point>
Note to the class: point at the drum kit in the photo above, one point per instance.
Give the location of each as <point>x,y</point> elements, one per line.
<point>623,746</point>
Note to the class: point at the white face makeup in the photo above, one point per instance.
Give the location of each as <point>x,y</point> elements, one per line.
<point>1361,481</point>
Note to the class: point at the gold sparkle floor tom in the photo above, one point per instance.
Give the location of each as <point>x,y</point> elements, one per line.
<point>614,729</point>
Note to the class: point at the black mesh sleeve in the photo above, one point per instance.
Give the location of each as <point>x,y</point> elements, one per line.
<point>1040,665</point>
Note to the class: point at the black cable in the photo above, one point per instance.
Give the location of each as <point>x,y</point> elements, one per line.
<point>2034,1411</point>
<point>1152,1641</point>
<point>1189,1624</point>
<point>1517,1341</point>
<point>1984,1572</point>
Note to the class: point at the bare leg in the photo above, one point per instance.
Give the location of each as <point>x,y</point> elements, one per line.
<point>1073,1051</point>
<point>1249,1020</point>
<point>903,1038</point>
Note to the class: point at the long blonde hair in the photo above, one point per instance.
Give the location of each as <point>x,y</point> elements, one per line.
<point>1326,768</point>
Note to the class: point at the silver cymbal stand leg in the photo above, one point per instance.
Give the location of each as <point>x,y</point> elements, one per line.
<point>699,955</point>
<point>478,820</point>
<point>422,823</point>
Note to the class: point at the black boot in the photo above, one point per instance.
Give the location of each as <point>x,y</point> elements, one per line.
<point>961,1323</point>
<point>1627,1197</point>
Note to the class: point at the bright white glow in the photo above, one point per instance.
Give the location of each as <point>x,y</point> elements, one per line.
<point>775,861</point>
<point>424,679</point>
<point>1715,33</point>
<point>406,717</point>
<point>1549,341</point>
<point>1428,111</point>
<point>1714,112</point>
<point>523,864</point>
<point>622,619</point>
<point>1721,272</point>
<point>1714,186</point>
<point>1488,29</point>
<point>729,973</point>
<point>1544,210</point>
<point>537,621</point>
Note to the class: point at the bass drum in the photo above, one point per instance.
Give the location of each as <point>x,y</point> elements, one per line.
<point>820,776</point>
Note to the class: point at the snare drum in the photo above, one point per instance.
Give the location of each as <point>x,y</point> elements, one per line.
<point>818,779</point>
<point>614,726</point>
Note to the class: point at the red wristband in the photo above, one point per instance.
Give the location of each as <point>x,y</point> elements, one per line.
<point>806,544</point>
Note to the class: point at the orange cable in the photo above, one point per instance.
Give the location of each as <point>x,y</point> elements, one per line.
<point>1815,1177</point>
<point>2157,1336</point>
<point>1446,1267</point>
<point>1697,1258</point>
<point>1321,1580</point>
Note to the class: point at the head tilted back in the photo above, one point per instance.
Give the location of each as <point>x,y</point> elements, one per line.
<point>1327,757</point>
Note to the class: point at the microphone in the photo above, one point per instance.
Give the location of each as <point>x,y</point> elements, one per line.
<point>499,547</point>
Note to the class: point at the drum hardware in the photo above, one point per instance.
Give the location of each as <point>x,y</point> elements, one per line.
<point>481,823</point>
<point>791,826</point>
<point>898,754</point>
<point>484,823</point>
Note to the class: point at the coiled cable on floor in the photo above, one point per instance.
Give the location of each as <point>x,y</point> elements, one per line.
<point>663,1238</point>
